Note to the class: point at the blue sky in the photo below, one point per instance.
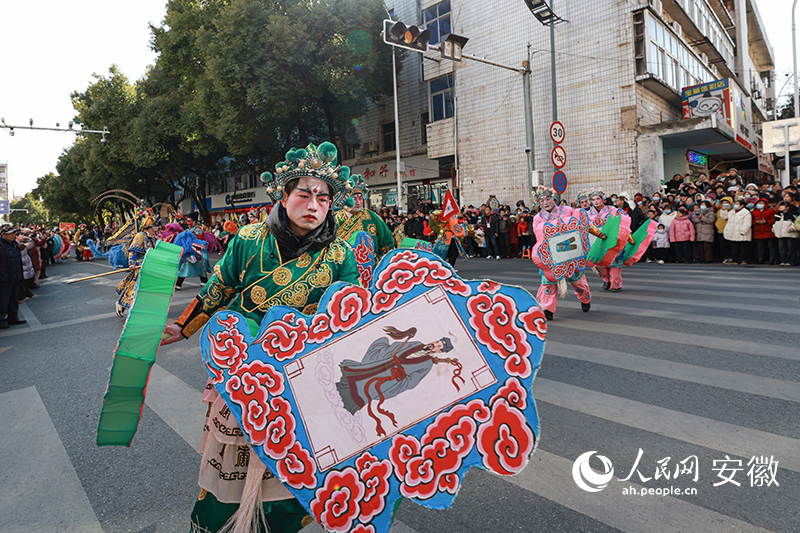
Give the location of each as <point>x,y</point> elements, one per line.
<point>58,45</point>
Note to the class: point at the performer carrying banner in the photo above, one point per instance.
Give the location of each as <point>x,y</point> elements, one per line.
<point>142,241</point>
<point>599,213</point>
<point>290,259</point>
<point>354,217</point>
<point>548,293</point>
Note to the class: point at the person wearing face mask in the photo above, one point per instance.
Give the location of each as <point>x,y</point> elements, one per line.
<point>681,235</point>
<point>738,232</point>
<point>703,219</point>
<point>722,248</point>
<point>786,233</point>
<point>766,243</point>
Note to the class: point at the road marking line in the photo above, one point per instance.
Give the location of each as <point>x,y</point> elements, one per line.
<point>177,404</point>
<point>82,320</point>
<point>550,476</point>
<point>723,379</point>
<point>676,337</point>
<point>33,322</point>
<point>699,319</point>
<point>621,296</point>
<point>720,436</point>
<point>38,474</point>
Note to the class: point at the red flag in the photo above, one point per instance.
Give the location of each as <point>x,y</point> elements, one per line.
<point>449,206</point>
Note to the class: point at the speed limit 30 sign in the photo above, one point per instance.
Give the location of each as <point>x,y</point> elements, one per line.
<point>557,132</point>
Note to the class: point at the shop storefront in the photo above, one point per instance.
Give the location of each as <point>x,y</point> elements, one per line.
<point>422,180</point>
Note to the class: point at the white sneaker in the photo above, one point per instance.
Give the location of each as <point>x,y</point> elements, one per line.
<point>660,261</point>
<point>498,258</point>
<point>488,257</point>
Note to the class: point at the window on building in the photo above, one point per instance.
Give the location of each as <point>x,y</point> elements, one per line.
<point>437,19</point>
<point>348,152</point>
<point>252,181</point>
<point>441,103</point>
<point>425,119</point>
<point>387,134</point>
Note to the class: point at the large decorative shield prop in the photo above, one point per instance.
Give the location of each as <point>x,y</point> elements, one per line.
<point>603,252</point>
<point>561,245</point>
<point>642,238</point>
<point>363,247</point>
<point>386,393</point>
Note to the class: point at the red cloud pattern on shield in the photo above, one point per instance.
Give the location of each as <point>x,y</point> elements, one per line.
<point>284,338</point>
<point>491,431</point>
<point>409,270</point>
<point>493,317</point>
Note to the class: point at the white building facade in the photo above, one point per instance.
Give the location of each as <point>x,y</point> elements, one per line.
<point>621,66</point>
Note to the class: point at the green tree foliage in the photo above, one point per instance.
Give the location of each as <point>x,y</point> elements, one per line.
<point>786,110</point>
<point>236,83</point>
<point>37,214</point>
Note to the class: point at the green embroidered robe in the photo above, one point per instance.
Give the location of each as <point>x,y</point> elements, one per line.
<point>253,278</point>
<point>348,225</point>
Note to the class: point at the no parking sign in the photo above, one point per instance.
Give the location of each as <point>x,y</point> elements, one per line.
<point>560,182</point>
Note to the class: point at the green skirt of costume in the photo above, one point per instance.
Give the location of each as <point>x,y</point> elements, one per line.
<point>283,516</point>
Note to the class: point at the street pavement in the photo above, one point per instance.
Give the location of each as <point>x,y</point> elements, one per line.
<point>689,367</point>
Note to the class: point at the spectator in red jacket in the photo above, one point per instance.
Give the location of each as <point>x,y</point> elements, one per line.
<point>681,235</point>
<point>766,243</point>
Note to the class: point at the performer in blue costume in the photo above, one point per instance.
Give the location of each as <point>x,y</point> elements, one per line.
<point>194,259</point>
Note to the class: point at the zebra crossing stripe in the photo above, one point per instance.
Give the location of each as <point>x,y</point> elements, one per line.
<point>720,436</point>
<point>723,379</point>
<point>28,501</point>
<point>549,476</point>
<point>675,337</point>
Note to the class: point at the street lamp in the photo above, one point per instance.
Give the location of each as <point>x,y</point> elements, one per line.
<point>543,12</point>
<point>30,126</point>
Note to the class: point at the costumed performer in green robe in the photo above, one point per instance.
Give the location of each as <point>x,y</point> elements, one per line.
<point>354,217</point>
<point>290,259</point>
<point>142,241</point>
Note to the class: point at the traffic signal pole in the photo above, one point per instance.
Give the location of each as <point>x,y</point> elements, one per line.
<point>399,197</point>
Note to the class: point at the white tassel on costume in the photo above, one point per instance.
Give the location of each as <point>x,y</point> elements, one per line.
<point>250,515</point>
<point>562,288</point>
<point>594,269</point>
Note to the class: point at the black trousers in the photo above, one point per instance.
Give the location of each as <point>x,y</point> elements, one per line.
<point>767,251</point>
<point>788,250</point>
<point>9,301</point>
<point>683,251</point>
<point>491,245</point>
<point>179,282</point>
<point>452,252</point>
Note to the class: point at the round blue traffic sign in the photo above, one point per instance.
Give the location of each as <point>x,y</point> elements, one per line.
<point>560,182</point>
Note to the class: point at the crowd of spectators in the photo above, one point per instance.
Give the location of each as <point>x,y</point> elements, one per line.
<point>702,221</point>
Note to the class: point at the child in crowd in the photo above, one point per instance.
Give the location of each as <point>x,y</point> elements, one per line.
<point>661,244</point>
<point>786,232</point>
<point>681,235</point>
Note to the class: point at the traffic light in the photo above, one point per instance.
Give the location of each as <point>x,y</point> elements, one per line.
<point>411,37</point>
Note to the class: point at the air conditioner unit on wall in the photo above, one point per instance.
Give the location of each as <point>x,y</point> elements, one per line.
<point>371,146</point>
<point>704,58</point>
<point>677,28</point>
<point>657,6</point>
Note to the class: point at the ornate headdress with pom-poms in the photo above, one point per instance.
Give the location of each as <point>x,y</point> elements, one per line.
<point>583,195</point>
<point>541,192</point>
<point>312,162</point>
<point>359,186</point>
<point>597,192</point>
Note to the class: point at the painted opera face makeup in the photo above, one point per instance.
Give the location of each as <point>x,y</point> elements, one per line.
<point>307,205</point>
